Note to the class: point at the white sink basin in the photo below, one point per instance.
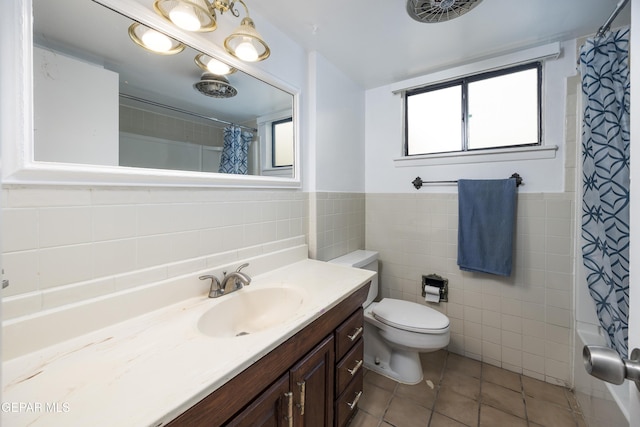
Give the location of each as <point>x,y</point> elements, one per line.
<point>249,311</point>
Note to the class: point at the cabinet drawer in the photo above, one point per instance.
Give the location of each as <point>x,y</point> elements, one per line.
<point>348,333</point>
<point>349,366</point>
<point>347,403</point>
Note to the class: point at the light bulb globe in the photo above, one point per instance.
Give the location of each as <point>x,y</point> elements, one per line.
<point>185,17</point>
<point>217,67</point>
<point>156,41</point>
<point>246,51</point>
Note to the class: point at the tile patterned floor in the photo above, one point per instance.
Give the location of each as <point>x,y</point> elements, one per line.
<point>458,391</point>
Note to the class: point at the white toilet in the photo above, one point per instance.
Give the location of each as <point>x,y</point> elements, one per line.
<point>396,331</point>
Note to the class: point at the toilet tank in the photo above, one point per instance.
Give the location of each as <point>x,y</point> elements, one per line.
<point>367,260</point>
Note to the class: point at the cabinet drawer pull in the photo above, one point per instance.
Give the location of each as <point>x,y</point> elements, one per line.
<point>355,401</point>
<point>303,386</point>
<point>289,416</point>
<point>356,334</point>
<point>355,368</point>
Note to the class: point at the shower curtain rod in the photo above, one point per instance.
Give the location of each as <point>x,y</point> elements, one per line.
<point>417,183</point>
<point>179,110</point>
<point>605,27</point>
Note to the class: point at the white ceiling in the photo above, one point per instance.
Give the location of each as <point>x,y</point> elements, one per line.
<point>375,42</point>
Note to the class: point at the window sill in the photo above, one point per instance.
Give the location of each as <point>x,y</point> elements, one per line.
<point>484,156</point>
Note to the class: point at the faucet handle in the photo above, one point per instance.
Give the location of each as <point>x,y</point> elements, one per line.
<point>209,276</point>
<point>245,276</point>
<point>215,290</point>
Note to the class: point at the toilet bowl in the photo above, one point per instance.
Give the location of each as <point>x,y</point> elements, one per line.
<point>396,331</point>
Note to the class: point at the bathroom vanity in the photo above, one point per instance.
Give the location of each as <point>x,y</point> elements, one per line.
<point>168,366</point>
<point>294,383</point>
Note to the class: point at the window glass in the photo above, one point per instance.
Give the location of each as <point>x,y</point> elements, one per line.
<point>490,110</point>
<point>434,121</point>
<point>503,110</point>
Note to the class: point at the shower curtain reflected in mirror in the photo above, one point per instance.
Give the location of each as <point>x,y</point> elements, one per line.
<point>604,65</point>
<point>235,151</point>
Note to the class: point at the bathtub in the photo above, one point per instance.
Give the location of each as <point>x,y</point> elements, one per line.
<point>602,404</point>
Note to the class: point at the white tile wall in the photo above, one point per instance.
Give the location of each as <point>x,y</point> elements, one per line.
<point>144,122</point>
<point>336,224</point>
<point>65,244</point>
<point>523,323</point>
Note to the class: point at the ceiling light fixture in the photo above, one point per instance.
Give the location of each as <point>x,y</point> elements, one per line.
<point>244,43</point>
<point>434,11</point>
<point>213,65</point>
<point>153,40</point>
<point>215,86</point>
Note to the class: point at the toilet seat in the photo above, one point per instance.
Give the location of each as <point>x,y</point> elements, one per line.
<point>410,316</point>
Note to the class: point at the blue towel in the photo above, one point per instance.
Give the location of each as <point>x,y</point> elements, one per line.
<point>486,219</point>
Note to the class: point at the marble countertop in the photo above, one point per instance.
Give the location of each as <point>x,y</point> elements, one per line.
<point>149,369</point>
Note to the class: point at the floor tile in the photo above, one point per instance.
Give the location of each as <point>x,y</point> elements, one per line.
<point>439,420</point>
<point>503,398</point>
<point>461,392</point>
<point>501,377</point>
<point>463,365</point>
<point>421,393</point>
<point>374,400</point>
<point>547,414</point>
<point>362,419</point>
<point>462,384</point>
<point>544,391</point>
<point>380,380</point>
<point>405,413</point>
<point>457,406</point>
<point>492,417</point>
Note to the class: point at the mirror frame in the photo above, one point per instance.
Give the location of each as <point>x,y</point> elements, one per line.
<point>17,120</point>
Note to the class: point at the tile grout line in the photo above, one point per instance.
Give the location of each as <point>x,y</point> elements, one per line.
<point>524,399</point>
<point>439,387</point>
<point>480,393</point>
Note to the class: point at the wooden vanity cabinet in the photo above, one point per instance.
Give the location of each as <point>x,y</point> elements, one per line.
<point>349,375</point>
<point>271,409</point>
<point>258,396</point>
<point>312,387</point>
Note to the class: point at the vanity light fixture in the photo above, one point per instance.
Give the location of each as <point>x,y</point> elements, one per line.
<point>244,43</point>
<point>213,65</point>
<point>154,41</point>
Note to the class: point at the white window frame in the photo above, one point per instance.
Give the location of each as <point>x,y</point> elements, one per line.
<point>542,151</point>
<point>265,132</point>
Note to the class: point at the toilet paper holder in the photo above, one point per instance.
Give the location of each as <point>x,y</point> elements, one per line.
<point>438,282</point>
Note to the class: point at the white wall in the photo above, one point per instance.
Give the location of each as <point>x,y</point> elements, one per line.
<point>338,131</point>
<point>384,123</point>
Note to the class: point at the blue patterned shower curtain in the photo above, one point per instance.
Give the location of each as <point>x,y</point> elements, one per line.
<point>604,64</point>
<point>235,150</point>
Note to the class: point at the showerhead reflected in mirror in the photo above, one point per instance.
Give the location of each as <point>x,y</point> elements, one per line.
<point>101,99</point>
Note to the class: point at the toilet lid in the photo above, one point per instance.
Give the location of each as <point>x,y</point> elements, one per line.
<point>410,316</point>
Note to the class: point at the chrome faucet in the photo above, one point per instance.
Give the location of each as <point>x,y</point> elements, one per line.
<point>236,280</point>
<point>230,283</point>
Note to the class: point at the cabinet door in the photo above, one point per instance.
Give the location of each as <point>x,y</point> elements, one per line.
<point>312,386</point>
<point>272,408</point>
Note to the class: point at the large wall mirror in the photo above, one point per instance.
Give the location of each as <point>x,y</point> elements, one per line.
<point>101,100</point>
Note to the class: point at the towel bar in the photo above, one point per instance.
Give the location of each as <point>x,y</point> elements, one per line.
<point>418,182</point>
